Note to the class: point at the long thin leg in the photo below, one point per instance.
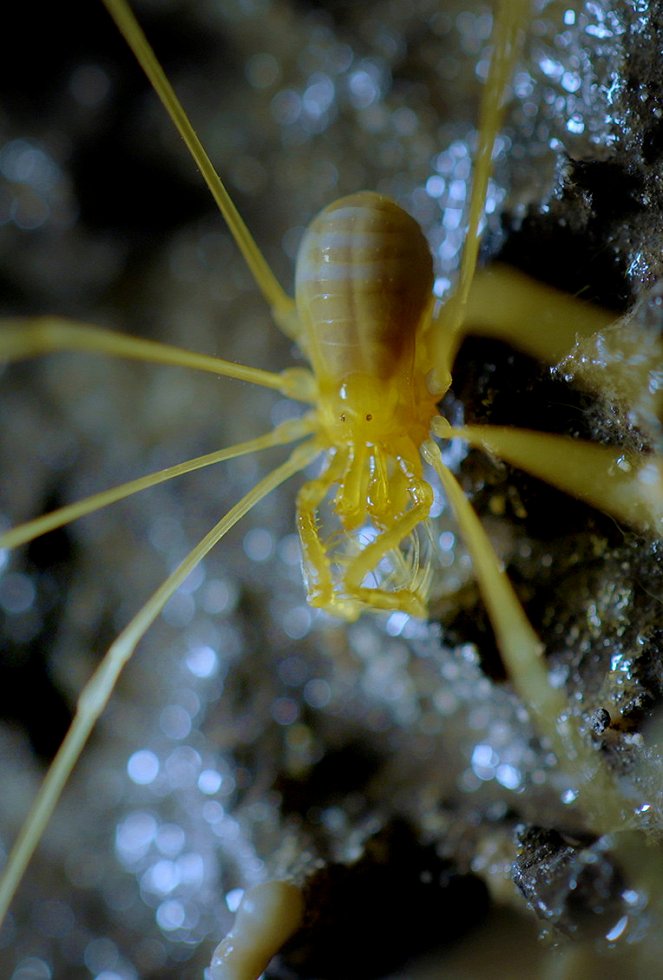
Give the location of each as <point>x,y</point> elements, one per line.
<point>510,19</point>
<point>268,915</point>
<point>537,319</point>
<point>630,487</point>
<point>281,304</point>
<point>288,431</point>
<point>522,652</point>
<point>20,339</point>
<point>99,688</point>
<point>602,804</point>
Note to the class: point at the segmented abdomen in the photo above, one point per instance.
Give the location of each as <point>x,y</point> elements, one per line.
<point>364,280</point>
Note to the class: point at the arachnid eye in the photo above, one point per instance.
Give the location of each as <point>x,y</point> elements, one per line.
<point>343,417</point>
<point>369,417</point>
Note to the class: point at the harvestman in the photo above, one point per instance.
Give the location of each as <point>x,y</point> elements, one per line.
<point>380,359</point>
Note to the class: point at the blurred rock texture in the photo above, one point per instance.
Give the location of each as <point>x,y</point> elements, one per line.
<point>387,764</point>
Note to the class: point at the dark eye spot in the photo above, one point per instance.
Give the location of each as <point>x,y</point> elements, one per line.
<point>369,417</point>
<point>343,417</point>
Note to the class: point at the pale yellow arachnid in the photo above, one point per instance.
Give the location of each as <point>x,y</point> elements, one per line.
<point>380,355</point>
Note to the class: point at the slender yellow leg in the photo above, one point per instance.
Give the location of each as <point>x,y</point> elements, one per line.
<point>23,338</point>
<point>99,688</point>
<point>537,319</point>
<point>630,487</point>
<point>511,17</point>
<point>269,914</point>
<point>282,306</point>
<point>521,650</point>
<point>287,432</point>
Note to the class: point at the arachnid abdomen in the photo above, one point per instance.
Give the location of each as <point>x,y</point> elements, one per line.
<point>364,283</point>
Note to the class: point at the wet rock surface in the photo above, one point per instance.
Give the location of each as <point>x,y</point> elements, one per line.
<point>251,738</point>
